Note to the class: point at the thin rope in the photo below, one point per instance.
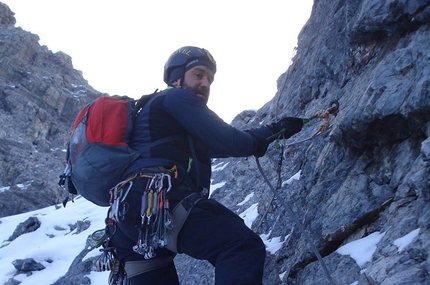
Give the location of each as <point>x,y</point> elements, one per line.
<point>294,218</point>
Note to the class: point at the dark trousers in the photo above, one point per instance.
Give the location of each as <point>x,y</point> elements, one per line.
<point>213,233</point>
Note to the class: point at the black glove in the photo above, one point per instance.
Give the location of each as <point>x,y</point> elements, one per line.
<point>287,126</point>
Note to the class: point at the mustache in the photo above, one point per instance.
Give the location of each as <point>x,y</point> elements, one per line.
<point>204,91</point>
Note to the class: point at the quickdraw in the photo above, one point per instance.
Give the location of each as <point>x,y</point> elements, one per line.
<point>325,115</point>
<point>156,220</point>
<point>155,215</point>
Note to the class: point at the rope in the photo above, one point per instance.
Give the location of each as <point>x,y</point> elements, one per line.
<point>294,218</point>
<point>325,125</point>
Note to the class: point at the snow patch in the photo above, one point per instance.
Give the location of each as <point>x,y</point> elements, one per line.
<point>220,166</point>
<point>49,243</point>
<point>25,185</point>
<point>215,186</point>
<point>247,198</point>
<point>281,276</point>
<point>272,244</point>
<point>250,214</point>
<point>362,250</point>
<point>3,189</point>
<point>292,178</point>
<point>403,242</point>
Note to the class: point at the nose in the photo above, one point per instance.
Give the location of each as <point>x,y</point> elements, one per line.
<point>205,82</point>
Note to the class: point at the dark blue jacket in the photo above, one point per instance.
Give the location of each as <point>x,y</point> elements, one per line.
<point>187,123</point>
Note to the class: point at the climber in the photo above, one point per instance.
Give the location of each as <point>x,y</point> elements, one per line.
<point>178,135</point>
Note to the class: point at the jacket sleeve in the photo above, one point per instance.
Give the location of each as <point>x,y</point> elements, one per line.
<point>222,139</point>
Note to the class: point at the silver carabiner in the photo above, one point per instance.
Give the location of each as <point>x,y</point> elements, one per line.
<point>127,191</point>
<point>169,180</point>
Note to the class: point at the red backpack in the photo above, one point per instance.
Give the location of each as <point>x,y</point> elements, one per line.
<point>98,152</point>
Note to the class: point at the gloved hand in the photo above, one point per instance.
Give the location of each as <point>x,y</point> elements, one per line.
<point>290,125</point>
<point>264,135</point>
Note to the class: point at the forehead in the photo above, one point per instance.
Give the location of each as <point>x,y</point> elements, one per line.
<point>203,69</point>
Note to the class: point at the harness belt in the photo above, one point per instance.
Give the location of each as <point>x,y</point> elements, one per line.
<point>135,268</point>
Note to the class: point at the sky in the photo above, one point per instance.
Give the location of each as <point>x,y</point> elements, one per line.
<point>54,241</point>
<point>121,46</point>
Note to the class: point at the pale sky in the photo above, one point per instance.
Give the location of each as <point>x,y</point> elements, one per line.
<point>121,46</point>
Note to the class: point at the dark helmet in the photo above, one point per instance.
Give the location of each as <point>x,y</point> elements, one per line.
<point>185,58</point>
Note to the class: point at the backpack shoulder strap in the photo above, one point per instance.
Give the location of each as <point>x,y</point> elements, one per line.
<point>142,101</point>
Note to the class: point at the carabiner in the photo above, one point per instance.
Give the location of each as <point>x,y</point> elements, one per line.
<point>334,107</point>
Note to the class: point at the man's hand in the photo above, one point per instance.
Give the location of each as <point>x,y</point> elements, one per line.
<point>287,126</point>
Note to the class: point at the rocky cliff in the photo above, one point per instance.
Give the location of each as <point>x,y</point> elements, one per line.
<point>40,94</point>
<point>366,176</point>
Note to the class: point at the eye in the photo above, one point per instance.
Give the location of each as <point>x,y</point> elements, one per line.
<point>199,74</point>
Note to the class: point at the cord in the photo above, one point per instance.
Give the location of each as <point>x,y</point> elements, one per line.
<point>293,217</point>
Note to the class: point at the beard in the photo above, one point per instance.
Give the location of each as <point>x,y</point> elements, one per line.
<point>201,92</point>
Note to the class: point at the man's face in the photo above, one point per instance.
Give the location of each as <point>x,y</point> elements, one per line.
<point>198,80</point>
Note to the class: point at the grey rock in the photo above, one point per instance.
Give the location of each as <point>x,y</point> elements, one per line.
<point>27,265</point>
<point>12,281</point>
<point>28,226</point>
<point>40,95</point>
<point>369,173</point>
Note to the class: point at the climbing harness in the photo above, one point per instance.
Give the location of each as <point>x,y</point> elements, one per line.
<point>156,228</point>
<point>179,214</point>
<point>325,115</point>
<point>155,222</point>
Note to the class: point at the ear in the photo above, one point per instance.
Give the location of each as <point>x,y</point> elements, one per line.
<point>177,83</point>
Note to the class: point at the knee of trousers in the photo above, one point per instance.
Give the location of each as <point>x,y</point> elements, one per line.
<point>251,245</point>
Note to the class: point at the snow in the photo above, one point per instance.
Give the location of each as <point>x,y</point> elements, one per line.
<point>215,186</point>
<point>362,250</point>
<point>250,214</point>
<point>281,276</point>
<point>52,242</point>
<point>292,178</point>
<point>3,189</point>
<point>55,246</point>
<point>219,166</point>
<point>403,242</point>
<point>247,198</point>
<point>272,244</point>
<point>25,185</point>
<point>99,277</point>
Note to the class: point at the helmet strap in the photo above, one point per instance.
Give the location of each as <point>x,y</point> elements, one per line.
<point>181,83</point>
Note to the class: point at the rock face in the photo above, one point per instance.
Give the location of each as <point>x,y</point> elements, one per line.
<point>369,174</point>
<point>366,177</point>
<point>40,94</point>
